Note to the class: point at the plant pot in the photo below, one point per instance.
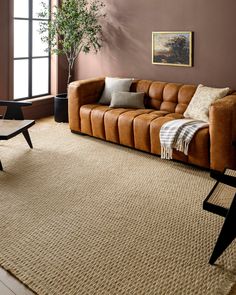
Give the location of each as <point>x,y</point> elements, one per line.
<point>61,108</point>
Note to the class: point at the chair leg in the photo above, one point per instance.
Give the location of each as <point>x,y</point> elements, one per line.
<point>1,168</point>
<point>227,234</point>
<point>27,138</point>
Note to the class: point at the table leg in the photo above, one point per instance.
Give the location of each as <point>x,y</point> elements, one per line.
<point>227,234</point>
<point>1,169</point>
<point>27,137</point>
<point>14,112</point>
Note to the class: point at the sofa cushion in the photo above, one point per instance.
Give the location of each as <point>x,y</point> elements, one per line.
<point>125,126</point>
<point>170,97</point>
<point>175,116</point>
<point>121,99</point>
<point>204,96</point>
<point>141,129</point>
<point>92,119</point>
<point>140,86</point>
<point>111,124</point>
<point>199,148</point>
<point>113,85</point>
<point>185,95</point>
<point>155,128</point>
<point>155,95</point>
<point>97,121</point>
<point>85,118</point>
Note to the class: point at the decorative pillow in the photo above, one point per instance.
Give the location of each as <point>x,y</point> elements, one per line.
<point>199,105</point>
<point>112,85</point>
<point>133,100</point>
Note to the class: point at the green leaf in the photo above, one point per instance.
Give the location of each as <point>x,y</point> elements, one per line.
<point>74,27</point>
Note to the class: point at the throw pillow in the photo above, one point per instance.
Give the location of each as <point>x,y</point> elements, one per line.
<point>199,105</point>
<point>133,100</point>
<point>112,85</point>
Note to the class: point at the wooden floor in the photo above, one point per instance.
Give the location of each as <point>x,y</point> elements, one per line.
<point>11,286</point>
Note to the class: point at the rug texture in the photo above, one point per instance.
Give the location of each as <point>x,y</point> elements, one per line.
<point>80,216</point>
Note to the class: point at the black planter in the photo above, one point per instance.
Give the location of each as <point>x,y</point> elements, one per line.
<point>61,108</point>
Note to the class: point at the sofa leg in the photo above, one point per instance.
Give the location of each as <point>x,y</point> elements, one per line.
<point>78,132</point>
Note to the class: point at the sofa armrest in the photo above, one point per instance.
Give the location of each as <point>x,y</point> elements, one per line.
<point>80,93</point>
<point>223,133</point>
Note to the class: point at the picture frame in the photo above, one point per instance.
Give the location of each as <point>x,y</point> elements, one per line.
<point>172,48</point>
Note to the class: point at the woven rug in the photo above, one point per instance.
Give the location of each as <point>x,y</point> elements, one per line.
<point>80,216</point>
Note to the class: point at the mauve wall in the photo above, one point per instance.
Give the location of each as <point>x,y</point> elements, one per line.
<point>128,33</point>
<point>4,49</point>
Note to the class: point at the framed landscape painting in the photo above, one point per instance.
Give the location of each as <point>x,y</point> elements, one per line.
<point>172,48</point>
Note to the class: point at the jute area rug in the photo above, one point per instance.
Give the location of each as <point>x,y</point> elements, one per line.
<point>82,216</point>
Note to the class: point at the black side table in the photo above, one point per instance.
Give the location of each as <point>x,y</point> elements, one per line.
<point>61,108</point>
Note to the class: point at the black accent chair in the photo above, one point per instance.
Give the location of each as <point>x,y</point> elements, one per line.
<point>228,231</point>
<point>14,112</point>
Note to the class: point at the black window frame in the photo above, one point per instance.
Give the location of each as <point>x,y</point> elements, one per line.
<point>30,57</point>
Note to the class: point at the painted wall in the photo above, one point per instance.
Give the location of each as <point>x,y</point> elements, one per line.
<point>40,107</point>
<point>128,37</point>
<point>4,49</point>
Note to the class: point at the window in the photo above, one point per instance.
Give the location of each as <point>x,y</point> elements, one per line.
<point>31,61</point>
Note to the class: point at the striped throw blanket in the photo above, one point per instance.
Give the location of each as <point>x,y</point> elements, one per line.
<point>177,134</point>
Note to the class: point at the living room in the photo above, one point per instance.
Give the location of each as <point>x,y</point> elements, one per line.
<point>118,147</point>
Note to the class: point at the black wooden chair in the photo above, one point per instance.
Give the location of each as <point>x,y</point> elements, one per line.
<point>228,231</point>
<point>14,112</point>
<point>13,109</point>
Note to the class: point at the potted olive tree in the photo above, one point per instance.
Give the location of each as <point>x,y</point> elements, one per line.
<point>74,27</point>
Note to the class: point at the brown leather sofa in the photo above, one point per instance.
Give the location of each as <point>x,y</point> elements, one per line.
<point>139,128</point>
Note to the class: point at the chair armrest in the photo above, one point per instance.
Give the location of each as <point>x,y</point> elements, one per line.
<point>80,93</point>
<point>224,178</point>
<point>223,133</point>
<point>8,103</point>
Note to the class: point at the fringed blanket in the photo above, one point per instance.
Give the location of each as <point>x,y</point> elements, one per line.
<point>177,134</point>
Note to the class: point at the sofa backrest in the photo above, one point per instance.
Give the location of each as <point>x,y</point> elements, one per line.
<point>170,97</point>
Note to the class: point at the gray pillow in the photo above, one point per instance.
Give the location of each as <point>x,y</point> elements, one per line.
<point>112,85</point>
<point>133,100</point>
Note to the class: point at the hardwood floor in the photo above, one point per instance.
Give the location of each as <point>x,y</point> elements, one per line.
<point>4,290</point>
<point>11,286</point>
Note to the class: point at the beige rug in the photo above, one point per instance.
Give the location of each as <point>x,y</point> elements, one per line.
<point>82,216</point>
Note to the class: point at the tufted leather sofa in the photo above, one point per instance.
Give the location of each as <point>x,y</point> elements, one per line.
<point>210,148</point>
